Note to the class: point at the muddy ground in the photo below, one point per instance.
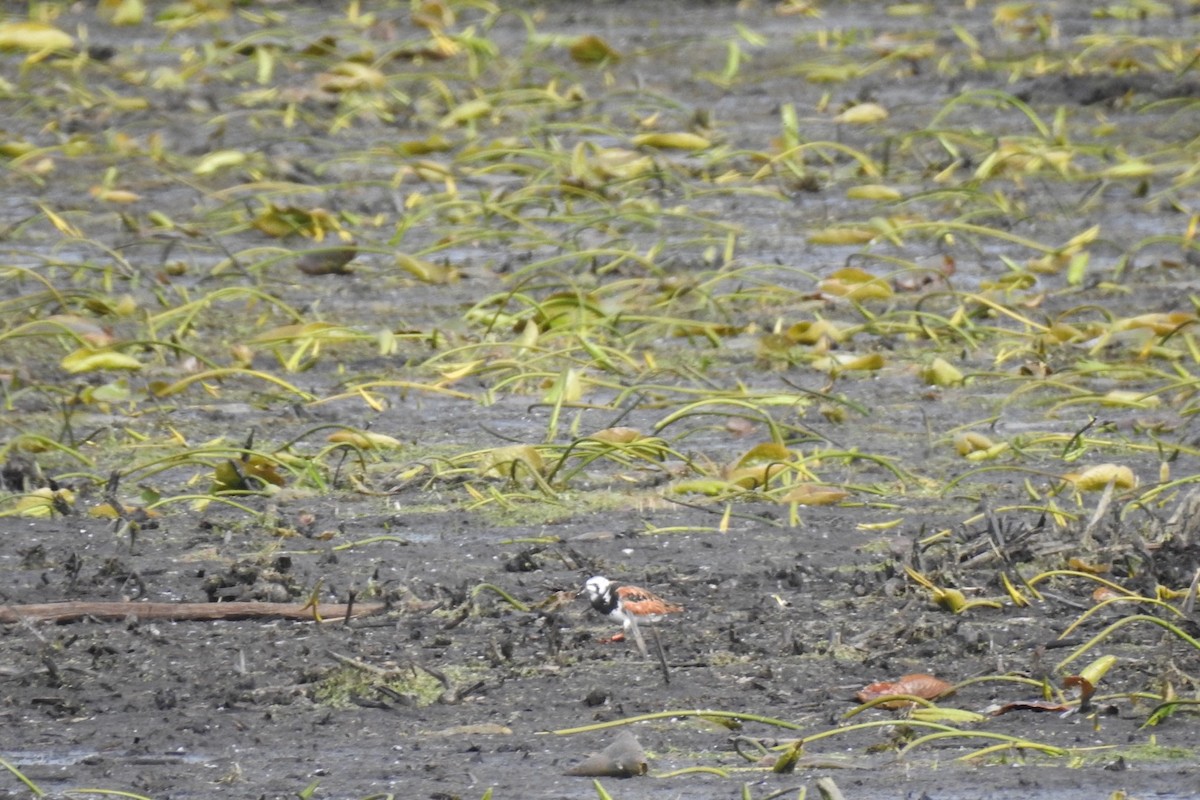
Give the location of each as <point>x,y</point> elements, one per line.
<point>782,621</point>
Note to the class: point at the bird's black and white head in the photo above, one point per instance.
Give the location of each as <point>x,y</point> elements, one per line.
<point>602,594</point>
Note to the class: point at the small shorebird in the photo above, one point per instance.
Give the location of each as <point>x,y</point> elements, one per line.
<point>628,605</point>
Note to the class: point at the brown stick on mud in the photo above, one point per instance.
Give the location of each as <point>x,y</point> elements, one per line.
<point>74,611</point>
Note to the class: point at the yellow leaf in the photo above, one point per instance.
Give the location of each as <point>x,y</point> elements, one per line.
<point>219,160</point>
<point>34,36</point>
<point>465,112</point>
<point>566,388</point>
<point>60,224</point>
<point>752,477</point>
<point>951,716</point>
<point>1130,399</point>
<point>365,440</point>
<point>971,442</point>
<point>765,453</point>
<point>502,462</point>
<point>1080,241</point>
<point>707,486</point>
<point>672,141</point>
<point>862,114</point>
<point>814,494</point>
<point>427,271</point>
<point>873,191</point>
<point>940,372</point>
<point>841,362</point>
<point>1129,169</point>
<point>617,435</point>
<point>1096,670</point>
<point>592,49</point>
<point>910,9</point>
<point>86,360</point>
<point>41,502</point>
<point>114,195</point>
<point>1160,323</point>
<point>619,163</point>
<point>842,236</point>
<point>122,12</point>
<point>1097,478</point>
<point>349,76</point>
<point>815,331</point>
<point>855,284</point>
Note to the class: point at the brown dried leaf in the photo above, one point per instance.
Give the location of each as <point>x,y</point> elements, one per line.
<point>917,684</point>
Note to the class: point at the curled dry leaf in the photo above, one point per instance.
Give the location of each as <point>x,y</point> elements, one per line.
<point>862,114</point>
<point>591,49</point>
<point>44,502</point>
<point>88,360</point>
<point>617,435</point>
<point>427,271</point>
<point>814,494</point>
<point>503,462</point>
<point>971,442</point>
<point>849,362</point>
<point>365,440</point>
<point>672,141</point>
<point>856,284</point>
<point>941,372</point>
<point>350,76</point>
<point>815,331</point>
<point>34,36</point>
<point>1160,323</point>
<point>917,684</point>
<point>873,191</point>
<point>1097,478</point>
<point>1079,565</point>
<point>1029,705</point>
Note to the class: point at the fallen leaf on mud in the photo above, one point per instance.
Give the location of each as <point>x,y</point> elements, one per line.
<point>617,435</point>
<point>591,49</point>
<point>137,513</point>
<point>44,502</point>
<point>1095,479</point>
<point>427,271</point>
<point>855,284</point>
<point>87,360</point>
<point>1087,679</point>
<point>1029,705</point>
<point>1079,565</point>
<point>862,114</point>
<point>814,494</point>
<point>918,684</point>
<point>33,36</point>
<point>624,758</point>
<point>365,440</point>
<point>672,141</point>
<point>219,160</point>
<point>842,235</point>
<point>502,462</point>
<point>941,372</point>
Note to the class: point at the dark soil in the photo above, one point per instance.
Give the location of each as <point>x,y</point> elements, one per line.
<point>782,621</point>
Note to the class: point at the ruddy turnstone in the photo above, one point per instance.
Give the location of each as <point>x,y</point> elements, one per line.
<point>625,604</point>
